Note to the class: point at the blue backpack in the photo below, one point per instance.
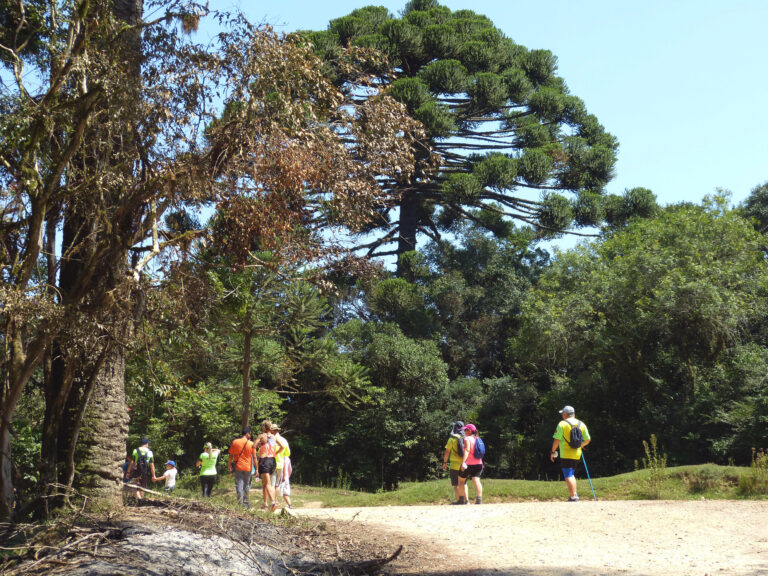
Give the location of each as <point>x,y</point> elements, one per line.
<point>479,448</point>
<point>577,437</point>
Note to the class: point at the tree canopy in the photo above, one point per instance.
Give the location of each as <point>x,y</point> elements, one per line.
<point>512,142</point>
<point>110,130</point>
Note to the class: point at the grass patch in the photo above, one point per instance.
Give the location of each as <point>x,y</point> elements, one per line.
<point>708,481</point>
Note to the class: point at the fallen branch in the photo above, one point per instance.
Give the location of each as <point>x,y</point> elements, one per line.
<point>137,487</point>
<point>362,567</point>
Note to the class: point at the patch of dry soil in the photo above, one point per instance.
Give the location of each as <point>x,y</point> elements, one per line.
<point>559,539</point>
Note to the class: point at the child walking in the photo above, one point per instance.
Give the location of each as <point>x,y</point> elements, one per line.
<point>169,476</point>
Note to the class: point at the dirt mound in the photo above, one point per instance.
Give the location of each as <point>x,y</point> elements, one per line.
<point>182,539</point>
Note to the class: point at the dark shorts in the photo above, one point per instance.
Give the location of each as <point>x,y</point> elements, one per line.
<point>454,477</point>
<point>267,466</point>
<point>568,466</point>
<point>472,471</point>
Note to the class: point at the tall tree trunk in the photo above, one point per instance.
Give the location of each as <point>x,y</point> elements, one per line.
<point>411,217</point>
<point>97,449</point>
<point>86,419</point>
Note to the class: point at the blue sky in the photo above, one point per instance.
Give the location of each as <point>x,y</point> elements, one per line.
<point>681,83</point>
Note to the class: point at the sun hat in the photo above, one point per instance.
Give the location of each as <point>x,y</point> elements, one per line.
<point>171,463</point>
<point>568,410</point>
<point>470,427</point>
<point>275,427</point>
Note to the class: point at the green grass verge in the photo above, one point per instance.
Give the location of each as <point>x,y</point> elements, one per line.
<point>707,481</point>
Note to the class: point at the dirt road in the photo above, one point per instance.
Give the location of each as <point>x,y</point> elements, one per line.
<point>561,539</point>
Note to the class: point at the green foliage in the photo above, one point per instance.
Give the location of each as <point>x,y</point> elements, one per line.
<point>655,463</point>
<point>410,91</point>
<point>534,167</point>
<point>476,289</point>
<point>496,171</point>
<point>445,76</point>
<point>705,480</point>
<point>360,22</point>
<point>756,481</point>
<point>488,92</point>
<point>755,207</point>
<point>25,452</point>
<point>556,213</point>
<point>635,202</point>
<point>399,301</point>
<point>23,27</point>
<point>397,435</point>
<point>476,91</point>
<point>589,209</point>
<point>436,118</point>
<point>461,188</point>
<point>509,413</point>
<point>660,320</point>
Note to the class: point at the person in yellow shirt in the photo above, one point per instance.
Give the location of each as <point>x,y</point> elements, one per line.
<point>569,457</point>
<point>281,479</point>
<point>452,459</point>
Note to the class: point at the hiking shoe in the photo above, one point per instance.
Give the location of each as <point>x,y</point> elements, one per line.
<point>478,500</point>
<point>459,501</point>
<point>573,499</point>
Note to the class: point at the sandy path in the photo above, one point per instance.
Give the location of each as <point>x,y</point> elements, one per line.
<point>622,537</point>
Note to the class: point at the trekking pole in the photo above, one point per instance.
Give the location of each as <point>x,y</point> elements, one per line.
<point>588,478</point>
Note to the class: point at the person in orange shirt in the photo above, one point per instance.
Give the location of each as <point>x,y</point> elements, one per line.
<point>242,458</point>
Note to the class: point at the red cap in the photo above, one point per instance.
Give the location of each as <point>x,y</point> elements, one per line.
<point>470,427</point>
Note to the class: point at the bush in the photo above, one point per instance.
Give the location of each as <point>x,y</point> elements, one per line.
<point>755,481</point>
<point>655,462</point>
<point>702,481</point>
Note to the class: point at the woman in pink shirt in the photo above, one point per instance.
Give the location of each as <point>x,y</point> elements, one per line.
<point>471,467</point>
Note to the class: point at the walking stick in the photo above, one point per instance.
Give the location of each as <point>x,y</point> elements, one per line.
<point>588,478</point>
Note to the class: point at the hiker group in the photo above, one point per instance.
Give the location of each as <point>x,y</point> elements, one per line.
<point>268,455</point>
<point>465,451</point>
<point>139,469</point>
<point>464,455</point>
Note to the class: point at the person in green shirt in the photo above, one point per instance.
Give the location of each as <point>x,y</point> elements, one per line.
<point>452,459</point>
<point>142,466</point>
<point>569,457</point>
<point>207,465</point>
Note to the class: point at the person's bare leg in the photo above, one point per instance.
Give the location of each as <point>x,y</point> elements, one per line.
<point>478,487</point>
<point>266,484</point>
<point>462,493</point>
<point>571,483</point>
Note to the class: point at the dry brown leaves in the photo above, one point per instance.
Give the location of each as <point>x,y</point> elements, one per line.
<point>73,544</point>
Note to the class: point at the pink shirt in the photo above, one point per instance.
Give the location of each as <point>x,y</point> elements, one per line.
<point>471,460</point>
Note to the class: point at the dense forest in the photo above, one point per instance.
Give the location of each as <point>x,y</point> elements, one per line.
<point>345,231</point>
